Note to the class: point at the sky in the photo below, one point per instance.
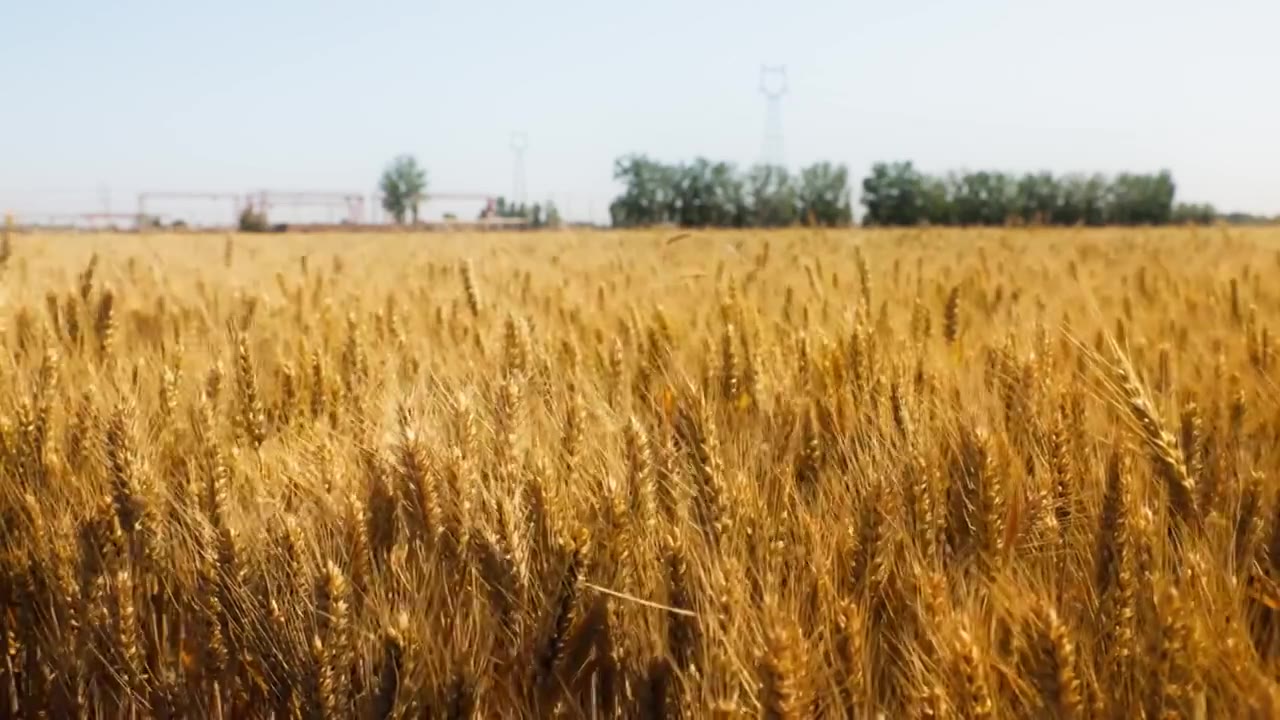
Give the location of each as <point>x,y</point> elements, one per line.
<point>104,100</point>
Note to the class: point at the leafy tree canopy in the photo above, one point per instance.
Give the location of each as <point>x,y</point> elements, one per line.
<point>403,186</point>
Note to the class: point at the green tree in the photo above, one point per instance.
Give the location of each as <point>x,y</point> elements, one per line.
<point>709,194</point>
<point>695,194</point>
<point>729,197</point>
<point>1194,214</point>
<point>1038,197</point>
<point>824,195</point>
<point>1083,200</point>
<point>650,192</point>
<point>894,194</point>
<point>252,220</point>
<point>983,197</point>
<point>705,193</point>
<point>1141,199</point>
<point>771,197</point>
<point>936,199</point>
<point>553,215</point>
<point>403,185</point>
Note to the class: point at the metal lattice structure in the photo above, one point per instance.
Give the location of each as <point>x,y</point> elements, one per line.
<point>378,215</point>
<point>352,205</point>
<point>146,200</point>
<point>773,85</point>
<point>224,210</point>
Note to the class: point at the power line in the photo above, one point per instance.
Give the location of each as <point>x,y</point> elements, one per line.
<point>773,85</point>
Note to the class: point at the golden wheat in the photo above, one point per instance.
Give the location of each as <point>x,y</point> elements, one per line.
<point>615,475</point>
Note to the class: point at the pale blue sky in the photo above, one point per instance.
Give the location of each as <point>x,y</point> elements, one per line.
<point>236,95</point>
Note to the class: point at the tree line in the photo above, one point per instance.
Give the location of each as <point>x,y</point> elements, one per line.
<point>899,194</point>
<point>404,187</point>
<point>706,193</point>
<point>536,215</point>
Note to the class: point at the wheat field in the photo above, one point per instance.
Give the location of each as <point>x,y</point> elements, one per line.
<point>927,473</point>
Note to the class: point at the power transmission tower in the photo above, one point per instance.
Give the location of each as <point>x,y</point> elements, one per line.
<point>519,143</point>
<point>773,85</point>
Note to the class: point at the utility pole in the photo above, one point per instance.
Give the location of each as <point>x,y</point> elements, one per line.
<point>773,85</point>
<point>519,143</point>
